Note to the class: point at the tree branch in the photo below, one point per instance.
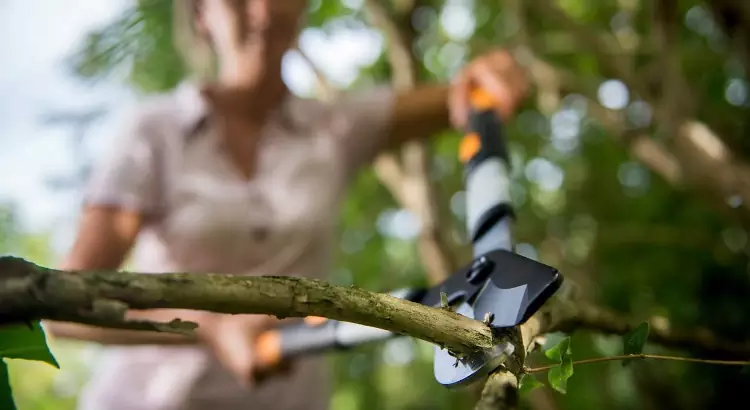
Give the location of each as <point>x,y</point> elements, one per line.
<point>30,292</point>
<point>500,392</point>
<point>565,315</point>
<point>582,316</point>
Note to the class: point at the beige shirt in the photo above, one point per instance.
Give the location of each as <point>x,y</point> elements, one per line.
<point>203,217</point>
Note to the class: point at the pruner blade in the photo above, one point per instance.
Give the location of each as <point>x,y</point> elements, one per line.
<point>503,290</point>
<point>451,371</point>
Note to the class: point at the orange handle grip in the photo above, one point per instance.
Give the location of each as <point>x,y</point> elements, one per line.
<point>269,345</point>
<point>268,349</point>
<point>481,100</point>
<point>471,143</point>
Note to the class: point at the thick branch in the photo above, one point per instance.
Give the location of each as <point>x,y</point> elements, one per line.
<point>28,292</point>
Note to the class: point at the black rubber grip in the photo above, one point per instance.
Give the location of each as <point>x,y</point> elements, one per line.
<point>489,127</point>
<point>490,218</point>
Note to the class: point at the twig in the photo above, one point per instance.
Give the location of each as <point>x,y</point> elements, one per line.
<point>583,316</point>
<point>643,356</point>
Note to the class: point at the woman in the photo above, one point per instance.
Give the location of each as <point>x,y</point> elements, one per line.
<point>239,176</point>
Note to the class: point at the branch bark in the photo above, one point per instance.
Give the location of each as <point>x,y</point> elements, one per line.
<point>30,292</point>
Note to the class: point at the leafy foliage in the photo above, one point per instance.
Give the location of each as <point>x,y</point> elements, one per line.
<point>635,340</point>
<point>558,376</point>
<point>528,383</point>
<point>6,395</point>
<point>25,342</point>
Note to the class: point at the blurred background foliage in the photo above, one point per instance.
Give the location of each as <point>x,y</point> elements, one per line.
<point>629,239</point>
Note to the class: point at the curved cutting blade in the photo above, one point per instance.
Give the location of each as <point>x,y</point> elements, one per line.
<point>451,372</point>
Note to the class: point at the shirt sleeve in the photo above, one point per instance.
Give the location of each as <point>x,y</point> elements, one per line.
<point>128,176</point>
<point>362,126</point>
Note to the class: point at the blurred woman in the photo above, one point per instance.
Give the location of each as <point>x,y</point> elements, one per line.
<point>237,175</point>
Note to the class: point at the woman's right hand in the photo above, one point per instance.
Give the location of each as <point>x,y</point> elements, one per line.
<point>231,338</point>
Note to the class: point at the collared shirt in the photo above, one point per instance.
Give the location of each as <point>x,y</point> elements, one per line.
<point>201,216</point>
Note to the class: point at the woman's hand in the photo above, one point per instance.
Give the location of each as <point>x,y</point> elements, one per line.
<point>497,73</point>
<point>231,338</point>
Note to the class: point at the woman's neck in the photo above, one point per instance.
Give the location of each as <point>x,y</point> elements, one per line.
<point>260,85</point>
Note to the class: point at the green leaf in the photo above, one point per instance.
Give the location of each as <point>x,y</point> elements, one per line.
<point>558,376</point>
<point>26,342</point>
<point>528,383</point>
<point>6,394</point>
<point>559,351</point>
<point>635,340</point>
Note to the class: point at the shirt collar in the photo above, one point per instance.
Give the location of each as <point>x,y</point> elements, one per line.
<point>195,116</point>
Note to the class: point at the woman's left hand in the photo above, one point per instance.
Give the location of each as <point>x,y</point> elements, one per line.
<point>497,73</point>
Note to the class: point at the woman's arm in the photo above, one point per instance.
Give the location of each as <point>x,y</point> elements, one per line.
<point>419,113</point>
<point>105,237</point>
<point>429,109</point>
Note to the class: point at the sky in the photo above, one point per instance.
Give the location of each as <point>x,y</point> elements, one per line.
<point>36,36</point>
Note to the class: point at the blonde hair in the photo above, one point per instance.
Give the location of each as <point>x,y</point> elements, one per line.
<point>194,49</point>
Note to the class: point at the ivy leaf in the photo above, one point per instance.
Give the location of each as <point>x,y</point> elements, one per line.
<point>559,351</point>
<point>528,383</point>
<point>6,394</point>
<point>25,341</point>
<point>635,340</point>
<point>558,376</point>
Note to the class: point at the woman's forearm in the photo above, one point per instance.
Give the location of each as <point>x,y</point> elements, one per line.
<point>419,113</point>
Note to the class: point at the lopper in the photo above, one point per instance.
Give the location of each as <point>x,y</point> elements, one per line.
<point>498,286</point>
